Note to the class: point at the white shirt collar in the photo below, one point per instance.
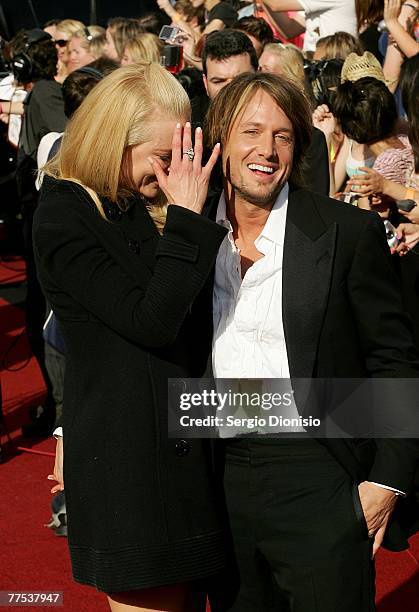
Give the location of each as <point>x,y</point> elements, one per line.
<point>275,225</point>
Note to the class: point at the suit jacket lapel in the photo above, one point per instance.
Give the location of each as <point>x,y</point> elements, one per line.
<point>309,250</point>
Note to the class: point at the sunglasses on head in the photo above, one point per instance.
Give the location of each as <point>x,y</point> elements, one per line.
<point>61,43</point>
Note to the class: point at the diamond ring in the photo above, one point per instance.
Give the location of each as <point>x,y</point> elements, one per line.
<point>190,153</point>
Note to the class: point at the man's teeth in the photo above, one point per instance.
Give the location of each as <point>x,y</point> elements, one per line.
<point>261,168</point>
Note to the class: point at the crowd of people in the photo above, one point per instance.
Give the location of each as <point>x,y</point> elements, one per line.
<point>225,189</point>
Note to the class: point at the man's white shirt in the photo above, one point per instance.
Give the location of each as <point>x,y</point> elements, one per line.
<point>249,340</point>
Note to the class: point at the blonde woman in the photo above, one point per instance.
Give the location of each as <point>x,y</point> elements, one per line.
<point>123,278</point>
<point>146,47</point>
<point>86,46</point>
<point>64,31</point>
<point>288,61</point>
<point>284,60</point>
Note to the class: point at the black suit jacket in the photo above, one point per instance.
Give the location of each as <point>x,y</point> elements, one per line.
<point>343,318</point>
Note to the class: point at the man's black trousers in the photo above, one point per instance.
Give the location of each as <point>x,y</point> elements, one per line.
<point>300,538</point>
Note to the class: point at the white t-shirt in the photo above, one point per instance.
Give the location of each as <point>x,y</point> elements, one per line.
<point>325,17</point>
<point>44,149</point>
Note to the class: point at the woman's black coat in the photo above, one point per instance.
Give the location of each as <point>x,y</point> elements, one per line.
<point>134,309</point>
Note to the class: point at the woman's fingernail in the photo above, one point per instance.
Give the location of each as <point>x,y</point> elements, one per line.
<point>178,126</point>
<point>198,130</point>
<point>187,124</point>
<point>50,477</point>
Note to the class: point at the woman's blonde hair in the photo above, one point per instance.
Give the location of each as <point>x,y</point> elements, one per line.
<point>146,47</point>
<point>114,117</point>
<point>292,60</point>
<point>93,39</point>
<point>70,26</point>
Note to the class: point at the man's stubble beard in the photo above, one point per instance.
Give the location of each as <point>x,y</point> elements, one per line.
<point>262,199</point>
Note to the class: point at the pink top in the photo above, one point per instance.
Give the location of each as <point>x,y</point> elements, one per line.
<point>396,164</point>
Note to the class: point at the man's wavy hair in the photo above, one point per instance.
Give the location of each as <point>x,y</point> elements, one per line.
<point>231,101</point>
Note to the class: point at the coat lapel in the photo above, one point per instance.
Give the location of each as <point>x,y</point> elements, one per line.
<point>309,249</point>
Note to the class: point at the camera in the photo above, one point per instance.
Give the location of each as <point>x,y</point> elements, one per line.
<point>191,81</point>
<point>349,197</point>
<point>169,33</point>
<point>405,205</point>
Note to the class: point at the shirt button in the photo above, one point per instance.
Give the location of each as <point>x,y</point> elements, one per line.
<point>182,448</point>
<point>134,245</point>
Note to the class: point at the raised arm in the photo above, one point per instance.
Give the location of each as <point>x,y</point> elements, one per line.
<point>283,5</point>
<point>406,43</point>
<point>394,58</point>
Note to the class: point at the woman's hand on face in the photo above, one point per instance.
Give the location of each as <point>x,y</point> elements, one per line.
<point>58,467</point>
<point>186,182</point>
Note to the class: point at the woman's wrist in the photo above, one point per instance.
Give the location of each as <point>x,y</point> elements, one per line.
<point>390,23</point>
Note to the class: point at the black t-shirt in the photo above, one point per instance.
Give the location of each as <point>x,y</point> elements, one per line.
<point>44,112</point>
<point>369,39</point>
<point>223,11</point>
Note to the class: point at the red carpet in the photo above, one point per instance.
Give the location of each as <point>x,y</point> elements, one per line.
<point>21,379</point>
<point>32,558</point>
<point>12,270</point>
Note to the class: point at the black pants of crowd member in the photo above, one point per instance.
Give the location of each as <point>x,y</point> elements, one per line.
<point>300,538</point>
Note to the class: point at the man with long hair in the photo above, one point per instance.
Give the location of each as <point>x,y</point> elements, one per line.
<point>299,282</point>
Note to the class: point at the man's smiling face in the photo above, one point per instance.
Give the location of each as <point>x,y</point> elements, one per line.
<point>258,156</point>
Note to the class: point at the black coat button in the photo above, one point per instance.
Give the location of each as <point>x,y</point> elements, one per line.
<point>134,245</point>
<point>112,212</point>
<point>182,448</point>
